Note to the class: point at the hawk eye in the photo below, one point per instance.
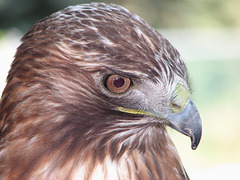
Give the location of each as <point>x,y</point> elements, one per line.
<point>117,84</point>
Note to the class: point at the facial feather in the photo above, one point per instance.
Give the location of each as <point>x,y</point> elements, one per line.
<point>58,121</point>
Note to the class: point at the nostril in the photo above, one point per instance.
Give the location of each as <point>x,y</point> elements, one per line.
<point>175,107</point>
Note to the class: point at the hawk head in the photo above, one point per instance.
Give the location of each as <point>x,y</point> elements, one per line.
<point>89,95</point>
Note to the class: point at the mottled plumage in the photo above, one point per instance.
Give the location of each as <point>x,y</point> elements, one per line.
<point>60,121</point>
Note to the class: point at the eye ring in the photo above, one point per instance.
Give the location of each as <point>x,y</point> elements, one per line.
<point>117,84</point>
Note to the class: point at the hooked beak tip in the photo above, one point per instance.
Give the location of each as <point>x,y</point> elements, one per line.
<point>194,141</point>
<point>188,122</point>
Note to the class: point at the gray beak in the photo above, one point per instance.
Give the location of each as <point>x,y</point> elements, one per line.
<point>187,122</point>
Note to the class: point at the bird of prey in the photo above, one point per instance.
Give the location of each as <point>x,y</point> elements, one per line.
<point>88,97</point>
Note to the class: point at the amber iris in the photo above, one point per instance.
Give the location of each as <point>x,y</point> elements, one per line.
<point>117,84</point>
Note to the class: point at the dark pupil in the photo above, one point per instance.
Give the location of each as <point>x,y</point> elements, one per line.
<point>118,82</point>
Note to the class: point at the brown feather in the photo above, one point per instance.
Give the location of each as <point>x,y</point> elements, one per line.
<point>56,123</point>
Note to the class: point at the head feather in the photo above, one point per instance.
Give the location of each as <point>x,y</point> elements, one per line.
<point>55,120</point>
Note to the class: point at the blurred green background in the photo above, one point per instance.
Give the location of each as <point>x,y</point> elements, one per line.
<point>207,34</point>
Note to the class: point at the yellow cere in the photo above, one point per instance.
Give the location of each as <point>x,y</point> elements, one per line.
<point>180,98</point>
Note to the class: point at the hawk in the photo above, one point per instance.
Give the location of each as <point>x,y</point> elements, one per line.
<point>89,95</point>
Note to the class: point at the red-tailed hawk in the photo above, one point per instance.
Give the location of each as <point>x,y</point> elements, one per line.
<point>89,95</point>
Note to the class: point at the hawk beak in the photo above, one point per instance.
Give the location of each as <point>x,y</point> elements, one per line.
<point>187,122</point>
